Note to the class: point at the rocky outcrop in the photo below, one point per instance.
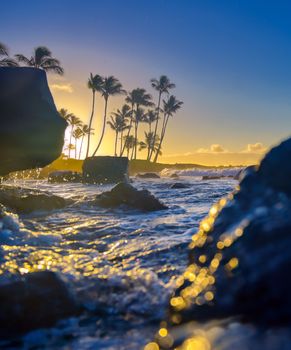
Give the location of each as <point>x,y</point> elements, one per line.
<point>64,176</point>
<point>26,200</point>
<point>148,176</point>
<point>36,300</point>
<point>124,194</point>
<point>101,170</point>
<point>179,185</point>
<point>240,257</point>
<point>31,132</point>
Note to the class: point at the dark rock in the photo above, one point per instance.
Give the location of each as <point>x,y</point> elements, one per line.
<point>275,168</point>
<point>174,176</point>
<point>125,194</point>
<point>65,176</point>
<point>25,200</point>
<point>212,177</point>
<point>37,300</point>
<point>32,132</point>
<point>239,262</point>
<point>105,169</point>
<point>148,176</point>
<point>178,185</point>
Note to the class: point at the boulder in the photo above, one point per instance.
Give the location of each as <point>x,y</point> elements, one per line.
<point>125,194</point>
<point>240,258</point>
<point>179,185</point>
<point>105,169</point>
<point>64,176</point>
<point>26,200</point>
<point>36,300</point>
<point>148,176</point>
<point>174,176</point>
<point>32,131</point>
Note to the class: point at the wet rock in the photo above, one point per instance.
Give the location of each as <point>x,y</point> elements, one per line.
<point>65,176</point>
<point>37,300</point>
<point>105,169</point>
<point>32,132</point>
<point>240,259</point>
<point>125,194</point>
<point>25,200</point>
<point>148,176</point>
<point>179,185</point>
<point>212,177</point>
<point>275,168</point>
<point>174,176</point>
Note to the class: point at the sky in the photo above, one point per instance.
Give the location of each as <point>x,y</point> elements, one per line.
<point>230,61</point>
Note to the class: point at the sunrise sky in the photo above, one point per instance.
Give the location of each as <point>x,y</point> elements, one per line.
<point>230,60</point>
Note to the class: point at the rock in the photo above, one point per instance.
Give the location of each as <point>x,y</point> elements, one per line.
<point>212,177</point>
<point>65,176</point>
<point>105,169</point>
<point>32,132</point>
<point>25,200</point>
<point>179,185</point>
<point>174,176</point>
<point>148,176</point>
<point>36,300</point>
<point>125,194</point>
<point>275,168</point>
<point>243,245</point>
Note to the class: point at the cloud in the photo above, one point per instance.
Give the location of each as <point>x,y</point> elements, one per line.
<point>62,87</point>
<point>254,148</point>
<point>214,148</point>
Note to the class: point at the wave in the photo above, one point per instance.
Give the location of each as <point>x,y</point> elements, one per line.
<point>198,172</point>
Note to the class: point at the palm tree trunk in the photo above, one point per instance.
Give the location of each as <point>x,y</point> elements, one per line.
<point>90,123</point>
<point>103,128</point>
<point>162,138</point>
<point>81,146</point>
<point>129,129</point>
<point>70,142</point>
<point>76,148</point>
<point>115,146</point>
<point>121,144</point>
<point>157,123</point>
<point>135,141</point>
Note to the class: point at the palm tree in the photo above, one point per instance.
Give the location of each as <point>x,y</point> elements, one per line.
<point>129,142</point>
<point>150,118</point>
<point>42,59</point>
<point>123,114</point>
<point>118,124</point>
<point>77,134</point>
<point>74,121</point>
<point>95,83</point>
<point>139,117</point>
<point>6,61</point>
<point>171,106</point>
<point>65,114</point>
<point>162,85</point>
<point>111,87</point>
<point>137,97</point>
<point>86,131</point>
<point>150,143</point>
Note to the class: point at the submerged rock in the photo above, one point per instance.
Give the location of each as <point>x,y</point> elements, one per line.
<point>65,176</point>
<point>239,262</point>
<point>32,131</point>
<point>25,200</point>
<point>148,176</point>
<point>37,300</point>
<point>105,169</point>
<point>125,194</point>
<point>179,185</point>
<point>212,177</point>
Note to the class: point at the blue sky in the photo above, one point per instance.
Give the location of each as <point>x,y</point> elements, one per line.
<point>230,61</point>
